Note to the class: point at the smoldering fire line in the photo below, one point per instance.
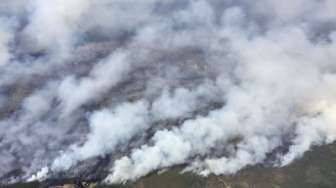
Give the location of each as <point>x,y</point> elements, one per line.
<point>117,89</point>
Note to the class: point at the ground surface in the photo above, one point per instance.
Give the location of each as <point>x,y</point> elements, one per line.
<point>317,169</point>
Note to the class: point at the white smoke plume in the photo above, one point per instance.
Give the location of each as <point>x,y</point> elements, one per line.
<point>124,88</point>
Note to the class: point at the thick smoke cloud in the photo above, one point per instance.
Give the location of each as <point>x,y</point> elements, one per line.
<point>212,85</point>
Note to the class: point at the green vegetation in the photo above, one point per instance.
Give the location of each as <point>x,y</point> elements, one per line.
<point>21,185</point>
<point>317,169</point>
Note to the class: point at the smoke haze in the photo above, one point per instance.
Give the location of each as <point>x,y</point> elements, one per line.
<point>213,85</point>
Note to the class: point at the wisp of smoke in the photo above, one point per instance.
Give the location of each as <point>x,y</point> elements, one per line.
<point>144,85</point>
